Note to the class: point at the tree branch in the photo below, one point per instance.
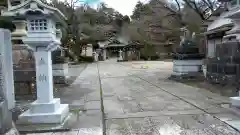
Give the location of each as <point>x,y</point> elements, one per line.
<point>178,4</point>
<point>193,5</point>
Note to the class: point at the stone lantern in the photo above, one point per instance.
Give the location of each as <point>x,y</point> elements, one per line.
<point>187,60</point>
<point>120,57</point>
<point>43,37</point>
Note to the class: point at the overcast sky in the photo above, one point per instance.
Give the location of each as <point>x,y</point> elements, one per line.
<point>125,7</point>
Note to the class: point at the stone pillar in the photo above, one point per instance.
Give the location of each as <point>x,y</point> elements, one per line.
<point>104,54</point>
<point>46,109</point>
<point>5,95</point>
<point>6,52</point>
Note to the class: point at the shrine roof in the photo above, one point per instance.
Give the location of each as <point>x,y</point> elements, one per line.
<point>222,28</point>
<point>115,45</point>
<point>222,20</point>
<point>34,5</point>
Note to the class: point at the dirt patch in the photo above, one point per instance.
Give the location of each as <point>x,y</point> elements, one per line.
<point>224,90</point>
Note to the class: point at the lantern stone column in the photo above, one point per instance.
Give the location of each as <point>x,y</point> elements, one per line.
<point>44,77</point>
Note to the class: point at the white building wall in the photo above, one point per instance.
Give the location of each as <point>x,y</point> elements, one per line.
<point>89,51</point>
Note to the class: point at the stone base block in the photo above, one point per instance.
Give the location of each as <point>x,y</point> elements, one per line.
<point>235,101</point>
<point>185,77</point>
<point>45,113</point>
<point>184,67</point>
<point>37,107</point>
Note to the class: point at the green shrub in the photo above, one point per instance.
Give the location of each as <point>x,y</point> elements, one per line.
<point>155,57</point>
<point>86,58</point>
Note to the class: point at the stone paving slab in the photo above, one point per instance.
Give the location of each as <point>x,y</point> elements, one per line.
<point>140,100</point>
<point>83,97</point>
<point>153,114</point>
<point>174,125</point>
<point>67,133</point>
<point>50,133</point>
<point>82,131</point>
<point>152,104</point>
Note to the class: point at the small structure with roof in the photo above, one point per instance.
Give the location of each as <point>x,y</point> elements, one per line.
<point>216,26</point>
<point>132,51</point>
<point>223,67</point>
<point>114,45</point>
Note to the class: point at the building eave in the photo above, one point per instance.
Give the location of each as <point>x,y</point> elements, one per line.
<point>219,29</point>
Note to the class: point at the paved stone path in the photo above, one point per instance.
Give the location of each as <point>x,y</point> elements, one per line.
<point>138,99</point>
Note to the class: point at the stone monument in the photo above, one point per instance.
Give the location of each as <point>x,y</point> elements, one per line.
<point>187,60</point>
<point>43,36</point>
<point>5,114</point>
<point>6,51</point>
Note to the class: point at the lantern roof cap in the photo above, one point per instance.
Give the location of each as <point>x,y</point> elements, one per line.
<point>34,6</point>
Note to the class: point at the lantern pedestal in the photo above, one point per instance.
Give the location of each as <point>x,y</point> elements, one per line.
<point>187,61</point>
<point>48,113</point>
<point>45,109</point>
